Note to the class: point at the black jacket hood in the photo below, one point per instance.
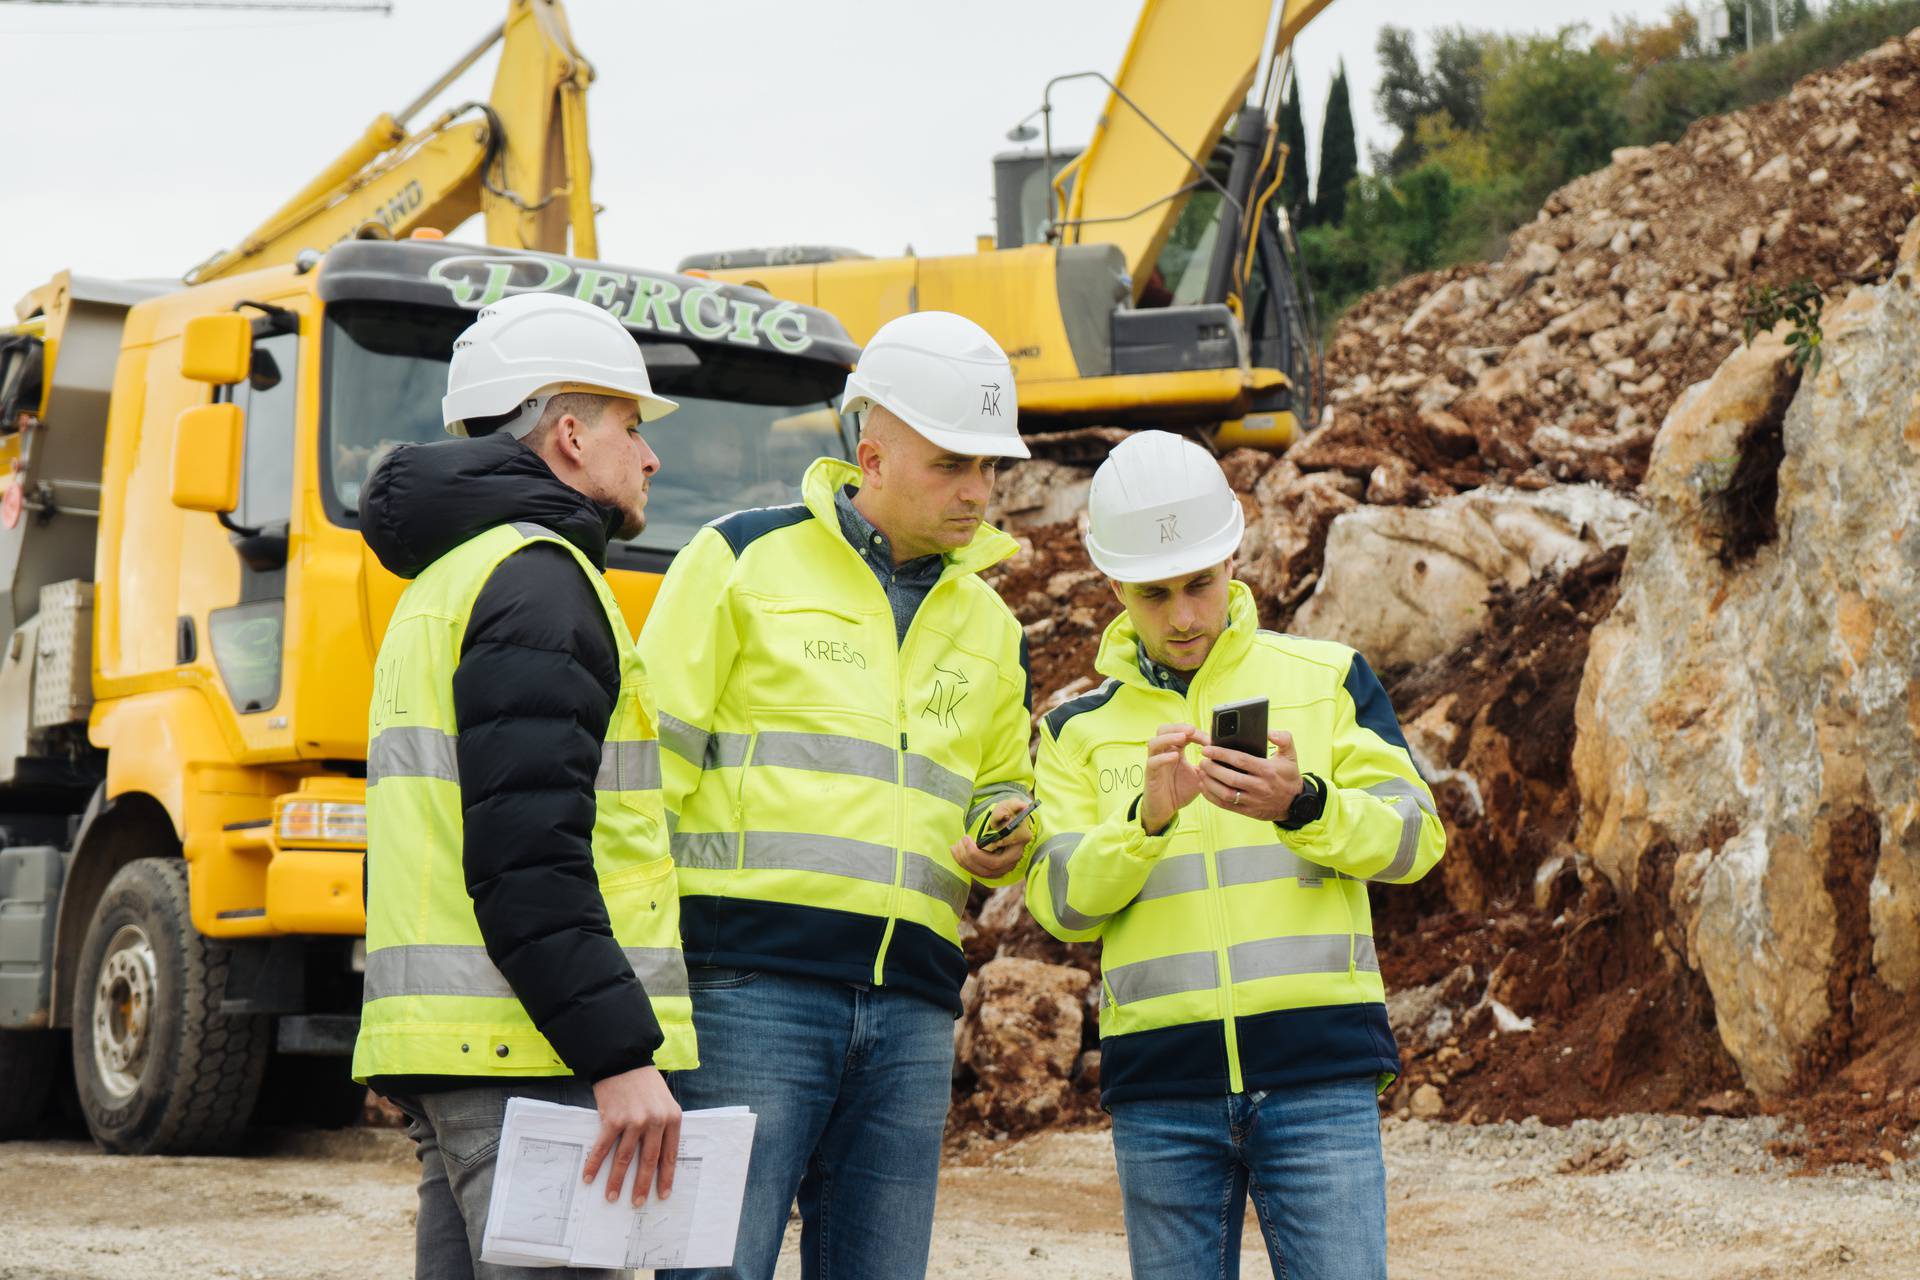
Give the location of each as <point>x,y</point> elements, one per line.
<point>427,499</point>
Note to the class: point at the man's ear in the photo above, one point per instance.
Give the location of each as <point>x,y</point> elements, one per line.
<point>1117,595</point>
<point>870,456</point>
<point>568,435</point>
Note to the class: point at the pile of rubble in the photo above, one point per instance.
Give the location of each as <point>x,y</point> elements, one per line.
<point>1638,910</point>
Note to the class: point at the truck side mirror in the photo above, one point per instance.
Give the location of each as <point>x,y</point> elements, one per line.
<point>217,348</point>
<point>206,456</point>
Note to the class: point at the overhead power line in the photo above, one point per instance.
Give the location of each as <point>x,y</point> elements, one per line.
<point>254,6</point>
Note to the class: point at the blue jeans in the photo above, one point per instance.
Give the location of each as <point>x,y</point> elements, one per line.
<point>850,1085</point>
<point>1310,1154</point>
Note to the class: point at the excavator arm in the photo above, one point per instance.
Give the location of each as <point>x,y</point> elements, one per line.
<point>1132,181</point>
<point>520,158</point>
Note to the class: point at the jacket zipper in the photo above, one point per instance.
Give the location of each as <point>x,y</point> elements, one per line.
<point>1216,910</point>
<point>899,773</point>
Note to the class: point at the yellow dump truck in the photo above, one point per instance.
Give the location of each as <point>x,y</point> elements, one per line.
<point>192,618</point>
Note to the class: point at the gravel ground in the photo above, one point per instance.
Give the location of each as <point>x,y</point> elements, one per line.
<point>1633,1196</point>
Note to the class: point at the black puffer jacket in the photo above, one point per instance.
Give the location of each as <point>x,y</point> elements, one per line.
<point>535,687</point>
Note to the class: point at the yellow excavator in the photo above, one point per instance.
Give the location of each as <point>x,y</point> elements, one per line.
<point>519,158</point>
<point>1146,280</point>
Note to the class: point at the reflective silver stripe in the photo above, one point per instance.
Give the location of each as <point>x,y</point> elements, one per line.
<point>628,764</point>
<point>1395,788</point>
<point>412,751</point>
<point>988,796</point>
<point>833,855</point>
<point>1364,956</point>
<point>440,970</point>
<point>825,753</point>
<point>1286,957</point>
<point>924,875</point>
<point>1165,976</point>
<point>727,750</point>
<point>1258,863</point>
<point>705,850</point>
<point>1055,851</point>
<point>528,529</point>
<point>1182,873</point>
<point>1411,822</point>
<point>688,741</point>
<point>937,780</point>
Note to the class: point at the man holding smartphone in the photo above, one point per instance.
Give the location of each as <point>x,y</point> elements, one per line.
<point>848,700</point>
<point>1244,1033</point>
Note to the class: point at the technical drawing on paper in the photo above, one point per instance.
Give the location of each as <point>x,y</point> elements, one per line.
<point>545,1174</point>
<point>662,1229</point>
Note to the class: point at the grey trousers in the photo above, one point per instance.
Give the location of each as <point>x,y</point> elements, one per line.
<point>456,1134</point>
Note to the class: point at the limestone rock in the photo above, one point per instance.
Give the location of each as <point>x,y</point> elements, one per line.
<point>1037,492</point>
<point>1404,584</point>
<point>1755,726</point>
<point>1280,556</point>
<point>1022,1038</point>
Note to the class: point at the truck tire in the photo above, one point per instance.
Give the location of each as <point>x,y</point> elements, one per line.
<point>29,1062</point>
<point>159,1068</point>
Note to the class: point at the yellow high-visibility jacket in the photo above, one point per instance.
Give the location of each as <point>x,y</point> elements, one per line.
<point>1235,955</point>
<point>435,1004</point>
<point>817,768</point>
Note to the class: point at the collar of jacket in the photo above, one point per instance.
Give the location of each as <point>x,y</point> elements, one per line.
<point>1120,645</point>
<point>825,477</point>
<point>427,499</point>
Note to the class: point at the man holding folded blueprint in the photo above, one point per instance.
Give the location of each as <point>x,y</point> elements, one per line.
<point>523,931</point>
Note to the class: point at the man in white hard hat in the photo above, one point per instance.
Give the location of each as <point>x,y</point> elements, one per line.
<point>522,930</point>
<point>1244,1032</point>
<point>849,709</point>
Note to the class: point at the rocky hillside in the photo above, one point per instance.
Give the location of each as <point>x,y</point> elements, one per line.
<point>1645,601</point>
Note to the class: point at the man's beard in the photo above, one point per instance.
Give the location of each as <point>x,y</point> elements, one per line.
<point>632,524</point>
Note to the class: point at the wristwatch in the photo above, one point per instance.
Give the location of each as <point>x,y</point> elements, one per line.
<point>1307,806</point>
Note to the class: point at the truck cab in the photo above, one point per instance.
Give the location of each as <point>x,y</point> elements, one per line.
<point>193,619</point>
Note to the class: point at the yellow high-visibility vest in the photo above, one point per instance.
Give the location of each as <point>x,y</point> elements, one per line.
<point>817,767</point>
<point>435,1004</point>
<point>1234,955</point>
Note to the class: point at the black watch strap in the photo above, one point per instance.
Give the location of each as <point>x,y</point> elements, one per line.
<point>1307,806</point>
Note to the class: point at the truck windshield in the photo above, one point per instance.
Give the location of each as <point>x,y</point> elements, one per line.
<point>749,422</point>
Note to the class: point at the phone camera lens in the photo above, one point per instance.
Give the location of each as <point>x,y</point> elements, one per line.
<point>1230,724</point>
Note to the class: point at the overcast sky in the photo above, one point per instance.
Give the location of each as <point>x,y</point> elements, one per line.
<point>141,141</point>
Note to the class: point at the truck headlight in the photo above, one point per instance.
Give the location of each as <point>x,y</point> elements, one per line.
<point>310,822</point>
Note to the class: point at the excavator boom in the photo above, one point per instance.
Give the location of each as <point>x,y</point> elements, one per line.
<point>520,158</point>
<point>1187,69</point>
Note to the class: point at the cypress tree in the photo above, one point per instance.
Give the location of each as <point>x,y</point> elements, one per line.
<point>1295,182</point>
<point>1339,154</point>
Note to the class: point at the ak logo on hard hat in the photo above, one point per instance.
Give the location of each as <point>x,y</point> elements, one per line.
<point>1170,528</point>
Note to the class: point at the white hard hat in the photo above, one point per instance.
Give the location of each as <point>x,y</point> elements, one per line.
<point>533,343</point>
<point>1160,506</point>
<point>944,376</point>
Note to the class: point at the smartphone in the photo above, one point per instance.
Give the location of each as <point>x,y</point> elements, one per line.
<point>988,839</point>
<point>1242,726</point>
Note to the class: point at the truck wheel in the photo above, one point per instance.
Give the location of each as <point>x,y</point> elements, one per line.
<point>29,1061</point>
<point>159,1068</point>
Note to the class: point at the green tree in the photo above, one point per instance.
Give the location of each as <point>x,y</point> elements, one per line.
<point>1339,154</point>
<point>1451,86</point>
<point>1295,181</point>
<point>1553,109</point>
